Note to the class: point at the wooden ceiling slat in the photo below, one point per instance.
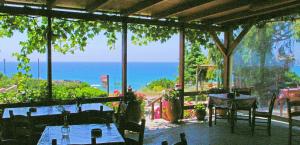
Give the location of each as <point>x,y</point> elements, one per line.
<point>263,17</point>
<point>51,3</point>
<point>92,7</point>
<point>259,4</point>
<point>139,6</point>
<point>12,10</point>
<point>215,10</point>
<point>248,14</point>
<point>179,8</point>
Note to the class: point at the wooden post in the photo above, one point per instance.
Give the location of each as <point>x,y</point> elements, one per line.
<point>49,58</point>
<point>227,43</point>
<point>181,66</point>
<point>124,58</point>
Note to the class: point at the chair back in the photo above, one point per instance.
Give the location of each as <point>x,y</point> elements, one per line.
<point>120,110</point>
<point>182,140</point>
<point>91,116</point>
<point>217,91</point>
<point>271,105</point>
<point>21,126</point>
<point>164,143</point>
<point>9,142</point>
<point>244,91</point>
<point>244,103</point>
<point>293,105</point>
<point>134,127</point>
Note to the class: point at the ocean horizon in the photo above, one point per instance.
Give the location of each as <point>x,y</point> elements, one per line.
<point>139,73</point>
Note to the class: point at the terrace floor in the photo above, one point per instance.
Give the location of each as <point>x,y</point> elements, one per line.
<point>199,133</point>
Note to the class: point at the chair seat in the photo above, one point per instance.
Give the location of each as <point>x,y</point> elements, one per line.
<point>130,141</point>
<point>222,107</point>
<point>262,114</point>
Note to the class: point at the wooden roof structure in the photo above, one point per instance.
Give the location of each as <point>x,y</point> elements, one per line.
<point>197,14</point>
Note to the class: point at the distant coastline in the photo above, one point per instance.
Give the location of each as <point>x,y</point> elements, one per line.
<point>139,73</point>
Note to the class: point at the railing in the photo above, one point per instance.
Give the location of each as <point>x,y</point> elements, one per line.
<point>55,102</point>
<point>159,99</point>
<point>188,107</point>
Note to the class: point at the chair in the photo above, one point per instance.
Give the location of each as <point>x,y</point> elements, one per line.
<point>9,142</point>
<point>243,91</point>
<point>293,111</point>
<point>89,117</point>
<point>265,117</point>
<point>220,107</point>
<point>182,140</point>
<point>134,127</point>
<point>21,128</point>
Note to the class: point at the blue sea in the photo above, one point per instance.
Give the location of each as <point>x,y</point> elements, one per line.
<point>138,73</point>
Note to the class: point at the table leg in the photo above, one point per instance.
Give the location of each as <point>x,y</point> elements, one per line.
<point>232,118</point>
<point>281,106</point>
<point>210,116</point>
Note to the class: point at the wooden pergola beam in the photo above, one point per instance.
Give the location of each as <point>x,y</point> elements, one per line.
<point>228,37</point>
<point>181,65</point>
<point>124,58</point>
<point>92,7</point>
<point>49,58</point>
<point>12,10</point>
<point>179,8</point>
<point>218,42</point>
<point>215,10</point>
<point>286,7</point>
<point>139,6</point>
<point>51,3</point>
<point>238,39</point>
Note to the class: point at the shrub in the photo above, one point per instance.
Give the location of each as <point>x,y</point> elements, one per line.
<point>161,84</point>
<point>30,89</point>
<point>200,107</point>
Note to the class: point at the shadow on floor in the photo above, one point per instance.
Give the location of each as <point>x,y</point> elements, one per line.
<point>199,133</point>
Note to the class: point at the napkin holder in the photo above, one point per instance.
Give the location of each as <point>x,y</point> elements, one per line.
<point>32,109</point>
<point>97,132</point>
<point>231,95</point>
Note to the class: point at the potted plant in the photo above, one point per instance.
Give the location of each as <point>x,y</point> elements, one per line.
<point>172,105</point>
<point>200,111</point>
<point>135,106</point>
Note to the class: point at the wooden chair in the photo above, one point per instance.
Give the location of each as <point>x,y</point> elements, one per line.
<point>220,107</point>
<point>21,128</point>
<point>263,116</point>
<point>293,111</point>
<point>89,117</point>
<point>9,142</point>
<point>134,127</point>
<point>182,140</point>
<point>243,91</point>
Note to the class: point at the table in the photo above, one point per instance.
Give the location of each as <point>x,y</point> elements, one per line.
<point>288,93</point>
<point>232,103</point>
<point>54,110</point>
<point>51,114</point>
<point>81,134</point>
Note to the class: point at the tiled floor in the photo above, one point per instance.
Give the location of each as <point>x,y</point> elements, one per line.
<point>199,133</point>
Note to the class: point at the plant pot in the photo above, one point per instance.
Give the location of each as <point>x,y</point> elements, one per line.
<point>173,110</point>
<point>134,111</point>
<point>200,114</point>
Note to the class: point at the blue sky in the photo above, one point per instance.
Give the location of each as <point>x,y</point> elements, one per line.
<point>97,50</point>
